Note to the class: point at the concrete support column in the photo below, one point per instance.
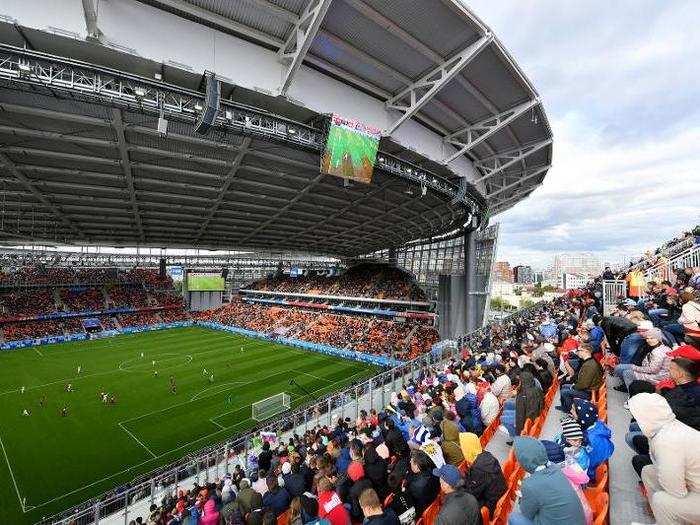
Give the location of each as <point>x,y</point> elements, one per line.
<point>470,279</point>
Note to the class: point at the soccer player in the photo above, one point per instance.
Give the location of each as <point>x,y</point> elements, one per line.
<point>105,397</point>
<point>42,400</point>
<point>22,389</point>
<point>241,349</point>
<point>204,372</point>
<point>80,369</point>
<point>173,389</point>
<point>155,373</point>
<point>64,411</point>
<point>211,378</point>
<point>153,362</point>
<point>141,355</point>
<point>69,388</point>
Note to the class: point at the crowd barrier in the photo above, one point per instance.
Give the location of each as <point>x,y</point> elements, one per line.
<point>306,345</point>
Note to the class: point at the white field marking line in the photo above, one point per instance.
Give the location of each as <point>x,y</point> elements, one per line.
<point>188,360</point>
<point>218,387</point>
<point>137,440</point>
<point>12,475</point>
<point>129,468</point>
<point>211,420</point>
<point>38,352</point>
<point>167,452</point>
<point>311,375</point>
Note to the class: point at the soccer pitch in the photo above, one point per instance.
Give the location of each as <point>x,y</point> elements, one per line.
<point>50,462</point>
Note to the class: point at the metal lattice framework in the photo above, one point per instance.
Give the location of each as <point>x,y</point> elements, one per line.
<point>102,133</point>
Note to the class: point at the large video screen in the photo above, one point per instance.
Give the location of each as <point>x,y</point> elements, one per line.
<point>205,282</point>
<point>351,150</point>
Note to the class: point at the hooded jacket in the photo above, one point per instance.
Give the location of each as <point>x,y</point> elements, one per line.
<point>450,442</point>
<point>468,411</point>
<point>423,488</point>
<point>459,508</point>
<point>673,446</point>
<point>600,446</point>
<point>485,481</point>
<point>589,375</point>
<point>547,496</point>
<point>211,515</point>
<point>528,402</point>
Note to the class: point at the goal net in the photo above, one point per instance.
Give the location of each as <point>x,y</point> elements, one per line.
<point>271,406</point>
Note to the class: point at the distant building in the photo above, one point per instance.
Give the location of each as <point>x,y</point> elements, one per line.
<point>577,263</point>
<point>569,281</point>
<point>537,277</point>
<point>523,274</point>
<point>503,271</point>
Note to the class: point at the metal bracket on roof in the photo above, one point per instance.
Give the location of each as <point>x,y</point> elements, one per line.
<point>90,11</point>
<point>526,175</point>
<point>500,161</point>
<point>411,99</point>
<point>480,131</point>
<point>498,207</point>
<point>297,44</point>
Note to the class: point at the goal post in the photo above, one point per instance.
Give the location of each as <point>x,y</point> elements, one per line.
<point>271,406</point>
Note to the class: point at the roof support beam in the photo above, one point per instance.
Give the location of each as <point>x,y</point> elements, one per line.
<point>480,131</point>
<point>297,44</point>
<point>118,125</point>
<point>517,195</point>
<point>533,174</point>
<point>29,185</point>
<point>497,163</point>
<point>235,165</point>
<point>423,90</point>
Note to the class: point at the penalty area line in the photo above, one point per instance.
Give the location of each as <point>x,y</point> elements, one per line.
<point>12,475</point>
<point>137,440</point>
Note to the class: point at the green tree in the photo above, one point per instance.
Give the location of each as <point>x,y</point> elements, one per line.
<point>500,304</point>
<point>526,303</point>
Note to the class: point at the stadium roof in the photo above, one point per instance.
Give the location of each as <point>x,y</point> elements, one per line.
<point>84,164</point>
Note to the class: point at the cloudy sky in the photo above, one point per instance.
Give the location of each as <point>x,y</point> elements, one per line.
<point>620,82</point>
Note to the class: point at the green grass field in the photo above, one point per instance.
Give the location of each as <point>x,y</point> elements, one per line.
<point>205,283</point>
<point>49,462</point>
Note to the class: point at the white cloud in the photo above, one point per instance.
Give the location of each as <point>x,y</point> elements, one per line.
<point>619,84</point>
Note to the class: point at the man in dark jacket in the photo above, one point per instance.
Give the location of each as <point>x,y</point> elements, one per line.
<point>485,480</point>
<point>293,480</point>
<point>529,401</point>
<point>276,497</point>
<point>394,439</point>
<point>421,484</point>
<point>588,378</point>
<point>459,507</point>
<point>358,484</point>
<point>375,469</point>
<point>373,511</point>
<point>265,458</point>
<point>246,500</point>
<point>616,329</point>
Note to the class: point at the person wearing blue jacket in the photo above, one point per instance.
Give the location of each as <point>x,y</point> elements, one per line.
<point>597,435</point>
<point>468,411</point>
<point>547,496</point>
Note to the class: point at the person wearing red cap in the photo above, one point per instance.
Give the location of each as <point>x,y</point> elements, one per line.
<point>350,490</point>
<point>686,352</point>
<point>684,373</point>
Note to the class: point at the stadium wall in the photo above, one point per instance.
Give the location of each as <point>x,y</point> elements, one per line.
<point>153,34</point>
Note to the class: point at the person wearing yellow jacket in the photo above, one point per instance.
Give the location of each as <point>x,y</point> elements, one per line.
<point>636,283</point>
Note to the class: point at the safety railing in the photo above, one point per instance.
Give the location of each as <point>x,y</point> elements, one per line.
<point>206,465</point>
<point>685,259</point>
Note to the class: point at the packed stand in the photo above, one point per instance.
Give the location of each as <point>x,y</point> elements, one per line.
<point>361,334</point>
<point>651,343</point>
<point>26,303</point>
<point>420,457</point>
<point>138,319</point>
<point>82,299</point>
<point>128,297</point>
<point>370,280</point>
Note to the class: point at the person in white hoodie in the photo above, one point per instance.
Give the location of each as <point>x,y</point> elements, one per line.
<point>673,480</point>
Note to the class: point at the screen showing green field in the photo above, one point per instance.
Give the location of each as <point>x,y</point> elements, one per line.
<point>205,282</point>
<point>351,150</point>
